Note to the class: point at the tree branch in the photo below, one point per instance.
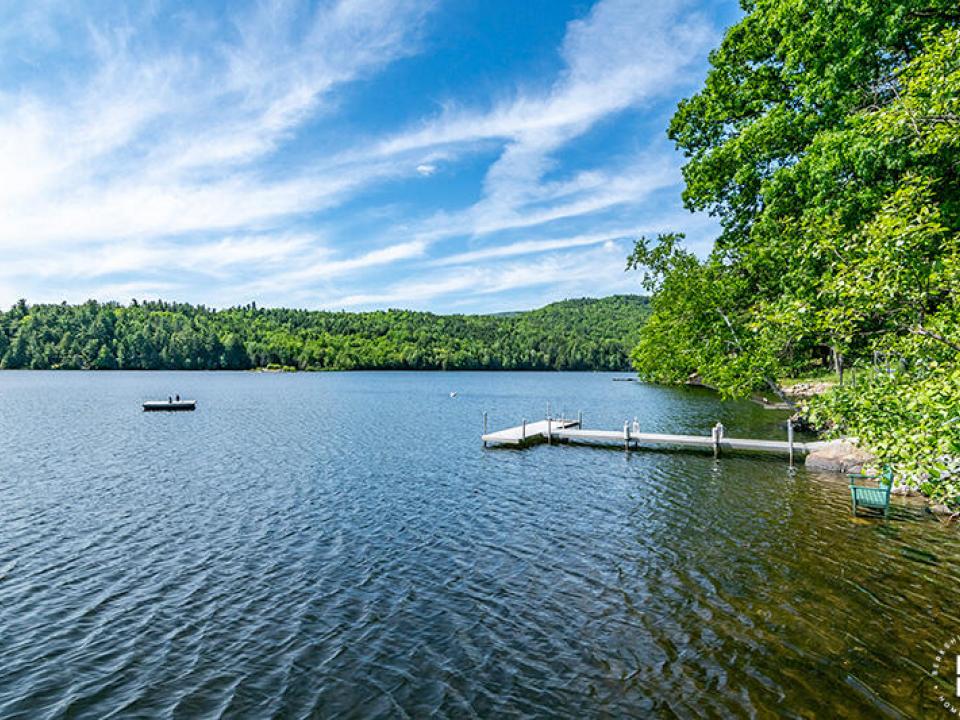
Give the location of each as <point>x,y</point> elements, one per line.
<point>935,336</point>
<point>946,118</point>
<point>772,384</point>
<point>937,13</point>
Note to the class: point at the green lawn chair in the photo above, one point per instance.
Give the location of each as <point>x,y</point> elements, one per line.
<point>875,497</point>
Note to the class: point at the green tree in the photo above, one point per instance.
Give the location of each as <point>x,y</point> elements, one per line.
<point>826,139</point>
<point>149,335</point>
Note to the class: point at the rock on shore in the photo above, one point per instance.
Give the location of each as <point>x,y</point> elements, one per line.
<point>806,390</point>
<point>839,456</point>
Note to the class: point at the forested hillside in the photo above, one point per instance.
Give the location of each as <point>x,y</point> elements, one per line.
<point>826,139</point>
<point>583,334</point>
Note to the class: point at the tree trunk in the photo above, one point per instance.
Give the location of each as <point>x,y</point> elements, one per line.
<point>838,364</point>
<point>778,391</point>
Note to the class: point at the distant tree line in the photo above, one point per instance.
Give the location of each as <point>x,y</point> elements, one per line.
<point>582,334</point>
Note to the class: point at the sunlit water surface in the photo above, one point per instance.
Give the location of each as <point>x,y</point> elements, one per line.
<point>337,545</point>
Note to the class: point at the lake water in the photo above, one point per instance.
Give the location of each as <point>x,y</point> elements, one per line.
<point>341,545</point>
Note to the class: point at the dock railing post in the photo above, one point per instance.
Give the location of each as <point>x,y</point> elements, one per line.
<point>790,439</point>
<point>484,427</point>
<point>717,436</point>
<point>523,431</point>
<point>626,435</point>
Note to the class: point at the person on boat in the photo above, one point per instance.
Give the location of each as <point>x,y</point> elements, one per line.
<point>169,399</point>
<point>178,398</point>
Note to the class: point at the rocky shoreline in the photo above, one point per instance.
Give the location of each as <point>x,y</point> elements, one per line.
<point>840,456</point>
<point>807,390</point>
<point>845,456</point>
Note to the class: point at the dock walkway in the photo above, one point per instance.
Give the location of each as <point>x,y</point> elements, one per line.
<point>562,430</point>
<point>528,432</point>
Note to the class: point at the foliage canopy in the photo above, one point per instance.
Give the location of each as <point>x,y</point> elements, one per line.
<point>570,335</point>
<point>826,139</point>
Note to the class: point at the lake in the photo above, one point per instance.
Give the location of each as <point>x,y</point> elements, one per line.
<point>342,545</point>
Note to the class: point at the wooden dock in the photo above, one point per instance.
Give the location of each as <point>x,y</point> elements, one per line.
<point>562,430</point>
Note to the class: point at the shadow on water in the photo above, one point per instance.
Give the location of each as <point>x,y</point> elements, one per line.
<point>342,545</point>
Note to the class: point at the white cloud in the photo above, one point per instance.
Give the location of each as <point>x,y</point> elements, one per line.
<point>197,159</point>
<point>624,52</point>
<point>311,270</point>
<point>213,258</point>
<point>613,63</point>
<point>527,247</point>
<point>572,274</point>
<point>156,146</point>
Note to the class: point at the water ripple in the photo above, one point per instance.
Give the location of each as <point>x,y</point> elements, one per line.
<point>341,545</point>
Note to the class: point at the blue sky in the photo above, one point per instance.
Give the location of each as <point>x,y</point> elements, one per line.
<point>448,155</point>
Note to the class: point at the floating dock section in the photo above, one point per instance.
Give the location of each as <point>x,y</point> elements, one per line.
<point>562,430</point>
<point>169,405</point>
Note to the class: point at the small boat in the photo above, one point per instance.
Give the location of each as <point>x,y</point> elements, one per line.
<point>169,405</point>
<point>453,394</point>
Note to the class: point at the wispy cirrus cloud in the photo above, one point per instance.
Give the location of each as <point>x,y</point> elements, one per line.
<point>576,273</point>
<point>607,72</point>
<point>219,155</point>
<point>528,247</point>
<point>211,259</point>
<point>149,145</point>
